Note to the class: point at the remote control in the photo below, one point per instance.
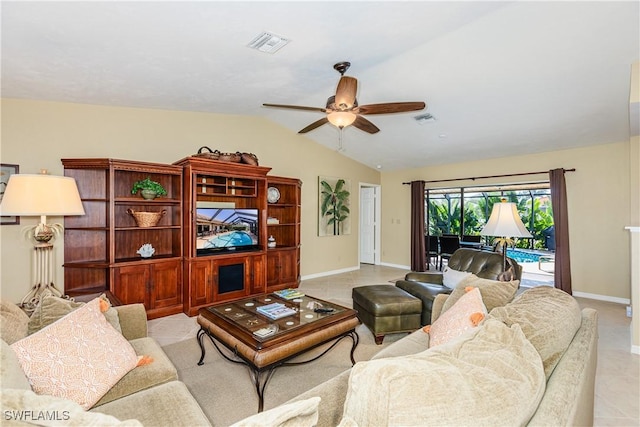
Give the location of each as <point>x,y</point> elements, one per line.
<point>323,310</point>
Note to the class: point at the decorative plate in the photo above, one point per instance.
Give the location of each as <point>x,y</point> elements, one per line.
<point>273,195</point>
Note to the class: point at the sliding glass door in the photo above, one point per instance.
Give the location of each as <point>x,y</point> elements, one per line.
<point>463,211</point>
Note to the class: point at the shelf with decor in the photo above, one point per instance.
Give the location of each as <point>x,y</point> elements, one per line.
<point>225,186</point>
<point>108,242</point>
<point>283,224</point>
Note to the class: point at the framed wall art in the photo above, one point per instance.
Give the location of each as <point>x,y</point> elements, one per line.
<point>6,170</point>
<point>334,216</point>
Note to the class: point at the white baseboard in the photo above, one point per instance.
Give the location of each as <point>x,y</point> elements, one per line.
<point>602,297</point>
<point>404,267</point>
<point>330,273</point>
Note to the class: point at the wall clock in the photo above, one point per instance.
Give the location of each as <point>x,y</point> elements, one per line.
<point>273,194</point>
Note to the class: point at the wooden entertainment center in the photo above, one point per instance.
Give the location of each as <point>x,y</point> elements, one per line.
<point>101,247</point>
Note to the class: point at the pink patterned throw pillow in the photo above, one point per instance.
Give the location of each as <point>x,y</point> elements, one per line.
<point>467,313</point>
<point>79,357</point>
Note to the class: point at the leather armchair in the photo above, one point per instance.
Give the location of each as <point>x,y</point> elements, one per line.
<point>427,285</point>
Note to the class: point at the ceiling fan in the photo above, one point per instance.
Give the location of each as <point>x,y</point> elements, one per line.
<point>343,110</point>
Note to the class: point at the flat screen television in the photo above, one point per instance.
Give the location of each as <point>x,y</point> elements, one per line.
<point>220,228</point>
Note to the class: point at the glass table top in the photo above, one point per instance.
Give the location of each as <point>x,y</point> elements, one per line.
<point>246,314</point>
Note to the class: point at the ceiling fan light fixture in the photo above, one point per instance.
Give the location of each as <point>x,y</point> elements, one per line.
<point>341,119</point>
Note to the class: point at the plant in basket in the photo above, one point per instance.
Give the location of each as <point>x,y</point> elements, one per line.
<point>148,189</point>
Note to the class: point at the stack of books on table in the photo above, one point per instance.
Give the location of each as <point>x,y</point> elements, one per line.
<point>266,331</point>
<point>289,293</point>
<point>276,310</point>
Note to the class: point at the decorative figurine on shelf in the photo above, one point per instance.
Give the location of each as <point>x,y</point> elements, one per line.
<point>271,242</point>
<point>148,189</point>
<point>146,250</point>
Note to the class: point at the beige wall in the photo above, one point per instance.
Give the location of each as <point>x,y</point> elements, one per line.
<point>634,199</point>
<point>598,204</point>
<point>37,134</point>
<point>634,91</point>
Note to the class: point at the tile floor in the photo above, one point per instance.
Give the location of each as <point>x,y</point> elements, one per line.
<point>617,391</point>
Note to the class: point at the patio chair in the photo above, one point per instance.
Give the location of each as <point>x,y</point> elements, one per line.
<point>448,245</point>
<point>473,241</point>
<point>432,247</point>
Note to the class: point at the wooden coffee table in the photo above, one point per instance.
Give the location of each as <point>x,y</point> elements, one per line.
<point>234,325</point>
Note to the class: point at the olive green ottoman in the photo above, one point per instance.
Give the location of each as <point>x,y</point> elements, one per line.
<point>386,309</point>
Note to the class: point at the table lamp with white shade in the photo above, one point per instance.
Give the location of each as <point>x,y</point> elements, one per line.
<point>41,195</point>
<point>505,223</point>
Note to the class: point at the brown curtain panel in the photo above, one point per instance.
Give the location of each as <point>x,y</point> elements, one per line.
<point>562,275</point>
<point>418,254</point>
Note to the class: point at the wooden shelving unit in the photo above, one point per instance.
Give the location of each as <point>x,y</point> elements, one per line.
<point>283,223</point>
<point>101,246</point>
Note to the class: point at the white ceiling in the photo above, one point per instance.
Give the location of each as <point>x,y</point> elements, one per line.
<point>501,78</point>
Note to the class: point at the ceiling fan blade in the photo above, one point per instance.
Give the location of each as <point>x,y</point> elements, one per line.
<point>390,107</point>
<point>314,125</point>
<point>365,125</point>
<point>297,107</point>
<point>346,93</point>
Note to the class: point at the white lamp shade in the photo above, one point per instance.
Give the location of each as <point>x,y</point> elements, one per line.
<point>505,222</point>
<point>38,195</point>
<point>341,119</point>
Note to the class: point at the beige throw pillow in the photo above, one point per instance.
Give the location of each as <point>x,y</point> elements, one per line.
<point>549,319</point>
<point>79,357</point>
<point>13,322</point>
<point>43,410</point>
<point>494,293</point>
<point>303,413</point>
<point>451,277</point>
<point>492,377</point>
<point>52,308</point>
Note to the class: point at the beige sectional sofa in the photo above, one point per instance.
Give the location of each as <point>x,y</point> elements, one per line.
<point>532,362</point>
<point>149,395</point>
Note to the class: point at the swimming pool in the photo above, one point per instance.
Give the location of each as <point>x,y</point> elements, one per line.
<point>234,238</point>
<point>522,256</point>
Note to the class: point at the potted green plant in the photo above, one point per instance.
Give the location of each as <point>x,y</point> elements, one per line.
<point>148,189</point>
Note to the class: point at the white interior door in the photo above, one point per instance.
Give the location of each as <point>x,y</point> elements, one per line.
<point>368,225</point>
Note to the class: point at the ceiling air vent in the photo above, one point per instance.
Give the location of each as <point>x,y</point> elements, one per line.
<point>424,118</point>
<point>268,42</point>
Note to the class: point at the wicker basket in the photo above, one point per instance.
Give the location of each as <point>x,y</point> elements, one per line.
<point>147,219</point>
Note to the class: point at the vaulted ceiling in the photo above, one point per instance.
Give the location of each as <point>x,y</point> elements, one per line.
<point>499,78</point>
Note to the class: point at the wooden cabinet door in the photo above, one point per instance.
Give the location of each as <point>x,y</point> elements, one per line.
<point>282,268</point>
<point>201,282</point>
<point>131,284</point>
<point>254,275</point>
<point>273,268</point>
<point>289,267</point>
<point>166,284</point>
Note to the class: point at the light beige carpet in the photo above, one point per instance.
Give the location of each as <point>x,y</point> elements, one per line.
<point>226,392</point>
